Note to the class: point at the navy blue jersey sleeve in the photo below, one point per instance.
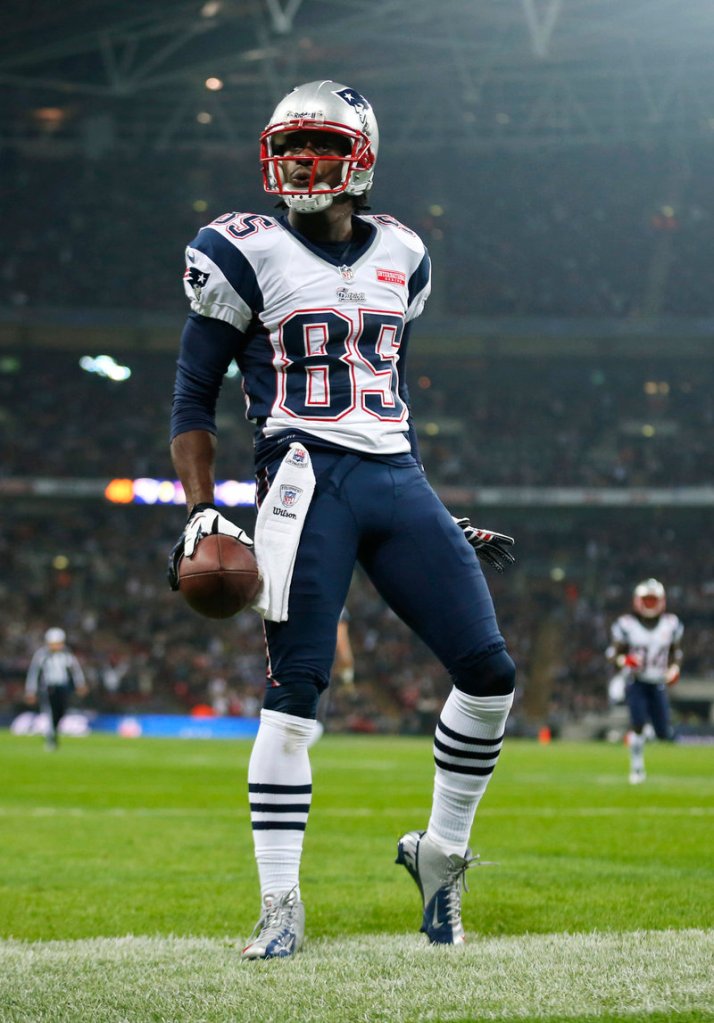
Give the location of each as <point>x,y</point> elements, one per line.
<point>207,348</point>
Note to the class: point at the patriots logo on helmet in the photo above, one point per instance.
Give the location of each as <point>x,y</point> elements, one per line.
<point>353,98</point>
<point>358,103</point>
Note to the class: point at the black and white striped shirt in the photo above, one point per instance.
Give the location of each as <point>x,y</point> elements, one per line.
<point>53,668</point>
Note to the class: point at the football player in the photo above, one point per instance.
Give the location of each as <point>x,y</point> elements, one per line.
<point>646,647</point>
<point>316,305</point>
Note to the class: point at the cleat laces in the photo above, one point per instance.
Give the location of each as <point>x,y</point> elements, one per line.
<point>454,883</point>
<point>275,921</point>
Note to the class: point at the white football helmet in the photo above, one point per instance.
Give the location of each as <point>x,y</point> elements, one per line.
<point>321,106</point>
<point>649,599</point>
<point>55,636</point>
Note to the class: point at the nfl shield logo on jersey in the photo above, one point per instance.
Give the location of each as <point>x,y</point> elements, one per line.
<point>289,495</point>
<point>346,273</point>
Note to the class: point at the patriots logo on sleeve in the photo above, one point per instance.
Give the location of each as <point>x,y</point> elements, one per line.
<point>196,279</point>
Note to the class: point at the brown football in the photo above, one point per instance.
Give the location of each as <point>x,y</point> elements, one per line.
<point>220,578</point>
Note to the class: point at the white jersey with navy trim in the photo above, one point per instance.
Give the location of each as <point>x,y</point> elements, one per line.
<point>652,645</point>
<point>322,339</point>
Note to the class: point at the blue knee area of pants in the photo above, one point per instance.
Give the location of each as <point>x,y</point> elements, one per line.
<point>299,698</point>
<point>492,673</point>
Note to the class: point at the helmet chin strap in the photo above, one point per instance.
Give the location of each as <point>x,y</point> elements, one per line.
<point>310,203</point>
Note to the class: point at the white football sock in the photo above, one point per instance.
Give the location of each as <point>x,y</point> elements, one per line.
<point>467,742</point>
<point>280,792</point>
<point>637,752</point>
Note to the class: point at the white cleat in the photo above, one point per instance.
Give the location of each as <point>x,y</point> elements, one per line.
<point>637,777</point>
<point>440,879</point>
<point>281,929</point>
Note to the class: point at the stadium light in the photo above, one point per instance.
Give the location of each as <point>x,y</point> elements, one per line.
<point>148,490</point>
<point>105,366</point>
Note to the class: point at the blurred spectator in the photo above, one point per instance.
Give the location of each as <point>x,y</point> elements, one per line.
<point>556,233</point>
<point>143,648</point>
<point>564,232</point>
<point>617,422</point>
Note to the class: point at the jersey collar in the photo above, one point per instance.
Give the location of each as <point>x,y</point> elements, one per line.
<point>363,235</point>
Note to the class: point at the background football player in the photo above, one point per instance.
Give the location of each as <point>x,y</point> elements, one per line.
<point>316,306</point>
<point>646,645</point>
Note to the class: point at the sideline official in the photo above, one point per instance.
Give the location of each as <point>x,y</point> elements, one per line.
<point>54,673</point>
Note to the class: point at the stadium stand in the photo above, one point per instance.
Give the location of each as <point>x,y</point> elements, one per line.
<point>542,233</point>
<point>568,421</point>
<point>543,236</point>
<point>99,571</point>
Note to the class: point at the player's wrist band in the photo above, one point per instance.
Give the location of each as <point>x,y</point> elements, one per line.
<point>201,506</point>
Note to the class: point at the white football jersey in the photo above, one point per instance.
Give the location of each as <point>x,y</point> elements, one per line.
<point>651,645</point>
<point>322,339</point>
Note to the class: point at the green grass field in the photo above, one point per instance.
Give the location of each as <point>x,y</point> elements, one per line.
<point>127,884</point>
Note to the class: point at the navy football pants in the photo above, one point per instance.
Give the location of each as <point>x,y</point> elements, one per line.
<point>648,702</point>
<point>390,520</point>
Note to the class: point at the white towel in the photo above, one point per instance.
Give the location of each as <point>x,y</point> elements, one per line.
<point>277,531</point>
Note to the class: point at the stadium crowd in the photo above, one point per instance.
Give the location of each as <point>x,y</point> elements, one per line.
<point>567,421</point>
<point>540,234</point>
<point>99,573</point>
<point>536,233</point>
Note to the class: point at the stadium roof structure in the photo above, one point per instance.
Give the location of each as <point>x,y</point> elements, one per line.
<point>91,75</point>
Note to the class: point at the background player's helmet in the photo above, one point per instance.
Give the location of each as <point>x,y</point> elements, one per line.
<point>649,599</point>
<point>53,636</point>
<point>322,106</point>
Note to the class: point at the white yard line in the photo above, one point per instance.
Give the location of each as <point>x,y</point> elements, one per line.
<point>390,811</point>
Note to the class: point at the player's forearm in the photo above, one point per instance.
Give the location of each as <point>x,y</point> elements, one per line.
<point>194,455</point>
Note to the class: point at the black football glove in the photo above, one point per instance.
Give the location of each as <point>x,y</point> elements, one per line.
<point>491,547</point>
<point>203,520</point>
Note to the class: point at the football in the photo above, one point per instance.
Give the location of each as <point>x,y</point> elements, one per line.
<point>220,578</point>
